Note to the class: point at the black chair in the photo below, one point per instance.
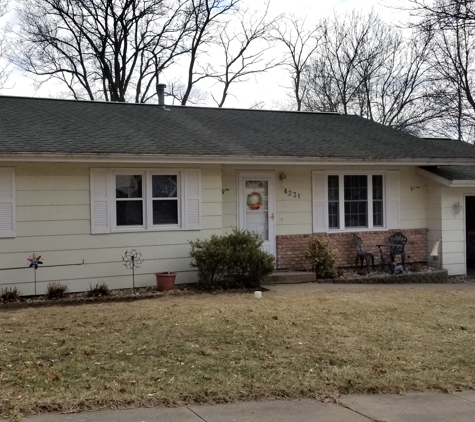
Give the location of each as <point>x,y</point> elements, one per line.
<point>362,255</point>
<point>398,241</point>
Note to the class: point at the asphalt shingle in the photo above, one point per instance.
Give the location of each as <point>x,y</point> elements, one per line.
<point>29,125</point>
<point>453,172</point>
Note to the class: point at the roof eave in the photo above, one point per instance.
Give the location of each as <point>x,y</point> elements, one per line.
<point>446,182</point>
<point>212,159</point>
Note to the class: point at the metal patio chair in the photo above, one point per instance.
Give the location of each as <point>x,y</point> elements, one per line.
<point>362,255</point>
<point>398,241</point>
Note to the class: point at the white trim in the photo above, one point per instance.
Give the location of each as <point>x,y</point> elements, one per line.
<point>340,173</point>
<point>319,201</point>
<point>270,177</point>
<point>237,160</point>
<point>99,190</point>
<point>9,200</point>
<point>113,200</point>
<point>446,182</point>
<point>147,199</point>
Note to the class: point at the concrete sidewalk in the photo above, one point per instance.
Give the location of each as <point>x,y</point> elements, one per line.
<point>413,407</point>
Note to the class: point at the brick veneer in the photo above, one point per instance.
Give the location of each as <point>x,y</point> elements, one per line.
<point>291,249</point>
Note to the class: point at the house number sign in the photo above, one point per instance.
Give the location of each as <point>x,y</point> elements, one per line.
<point>292,193</point>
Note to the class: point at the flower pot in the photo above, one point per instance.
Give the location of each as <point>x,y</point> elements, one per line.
<point>165,281</point>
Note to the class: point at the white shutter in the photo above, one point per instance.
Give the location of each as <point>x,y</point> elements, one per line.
<point>100,201</point>
<point>392,196</point>
<point>7,202</point>
<point>192,199</point>
<point>318,200</point>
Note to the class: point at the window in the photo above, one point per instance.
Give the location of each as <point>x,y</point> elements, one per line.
<point>356,197</point>
<point>130,200</point>
<point>165,199</point>
<point>355,201</point>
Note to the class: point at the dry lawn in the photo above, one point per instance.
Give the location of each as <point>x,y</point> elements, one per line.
<point>227,347</point>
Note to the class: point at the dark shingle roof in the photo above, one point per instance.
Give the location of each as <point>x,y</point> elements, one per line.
<point>453,172</point>
<point>31,125</point>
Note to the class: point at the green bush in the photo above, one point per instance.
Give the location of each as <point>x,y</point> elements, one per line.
<point>323,259</point>
<point>233,260</point>
<point>9,294</point>
<point>56,290</point>
<point>99,289</point>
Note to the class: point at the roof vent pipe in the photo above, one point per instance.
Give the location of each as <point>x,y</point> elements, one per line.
<point>161,96</point>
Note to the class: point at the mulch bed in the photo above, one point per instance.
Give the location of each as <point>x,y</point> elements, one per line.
<point>118,295</point>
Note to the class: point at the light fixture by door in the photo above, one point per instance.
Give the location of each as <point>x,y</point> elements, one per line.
<point>457,208</point>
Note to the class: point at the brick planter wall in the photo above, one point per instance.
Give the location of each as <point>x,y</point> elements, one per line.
<point>291,249</point>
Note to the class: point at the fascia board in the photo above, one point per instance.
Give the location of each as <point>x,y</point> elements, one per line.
<point>238,160</point>
<point>444,181</point>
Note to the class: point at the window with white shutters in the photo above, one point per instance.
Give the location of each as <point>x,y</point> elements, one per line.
<point>138,200</point>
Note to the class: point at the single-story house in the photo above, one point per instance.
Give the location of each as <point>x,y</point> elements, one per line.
<point>83,180</point>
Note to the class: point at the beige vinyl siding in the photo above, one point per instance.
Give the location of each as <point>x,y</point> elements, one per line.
<point>413,199</point>
<point>453,229</point>
<point>229,197</point>
<point>294,216</point>
<point>434,219</point>
<point>53,219</point>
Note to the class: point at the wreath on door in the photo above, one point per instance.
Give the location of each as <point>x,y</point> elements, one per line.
<point>254,201</point>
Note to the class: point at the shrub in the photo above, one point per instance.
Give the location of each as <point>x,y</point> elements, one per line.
<point>9,294</point>
<point>56,290</point>
<point>99,289</point>
<point>233,260</point>
<point>323,258</point>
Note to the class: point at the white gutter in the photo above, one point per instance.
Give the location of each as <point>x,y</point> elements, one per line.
<point>446,182</point>
<point>238,160</point>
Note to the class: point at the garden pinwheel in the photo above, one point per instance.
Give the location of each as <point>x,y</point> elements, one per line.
<point>34,261</point>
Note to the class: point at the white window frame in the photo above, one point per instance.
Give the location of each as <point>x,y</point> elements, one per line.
<point>147,199</point>
<point>103,201</point>
<point>127,172</point>
<point>341,201</point>
<point>180,199</point>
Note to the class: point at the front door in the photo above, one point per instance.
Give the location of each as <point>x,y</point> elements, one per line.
<point>257,207</point>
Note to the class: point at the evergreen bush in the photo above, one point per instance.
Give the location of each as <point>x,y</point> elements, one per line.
<point>232,260</point>
<point>322,257</point>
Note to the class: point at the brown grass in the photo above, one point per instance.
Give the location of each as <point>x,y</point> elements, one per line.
<point>228,347</point>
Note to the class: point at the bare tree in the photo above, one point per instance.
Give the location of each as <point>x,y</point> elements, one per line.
<point>176,89</point>
<point>450,27</point>
<point>206,17</point>
<point>441,12</point>
<point>4,72</point>
<point>365,67</point>
<point>101,49</point>
<point>300,44</point>
<point>243,51</point>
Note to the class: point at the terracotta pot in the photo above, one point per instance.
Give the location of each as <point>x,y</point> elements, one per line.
<point>165,281</point>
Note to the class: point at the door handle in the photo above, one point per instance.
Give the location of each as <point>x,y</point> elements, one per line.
<point>271,216</point>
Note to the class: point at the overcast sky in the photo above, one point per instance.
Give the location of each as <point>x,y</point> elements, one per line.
<point>270,88</point>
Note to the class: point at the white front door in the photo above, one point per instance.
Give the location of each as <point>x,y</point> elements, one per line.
<point>257,206</point>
